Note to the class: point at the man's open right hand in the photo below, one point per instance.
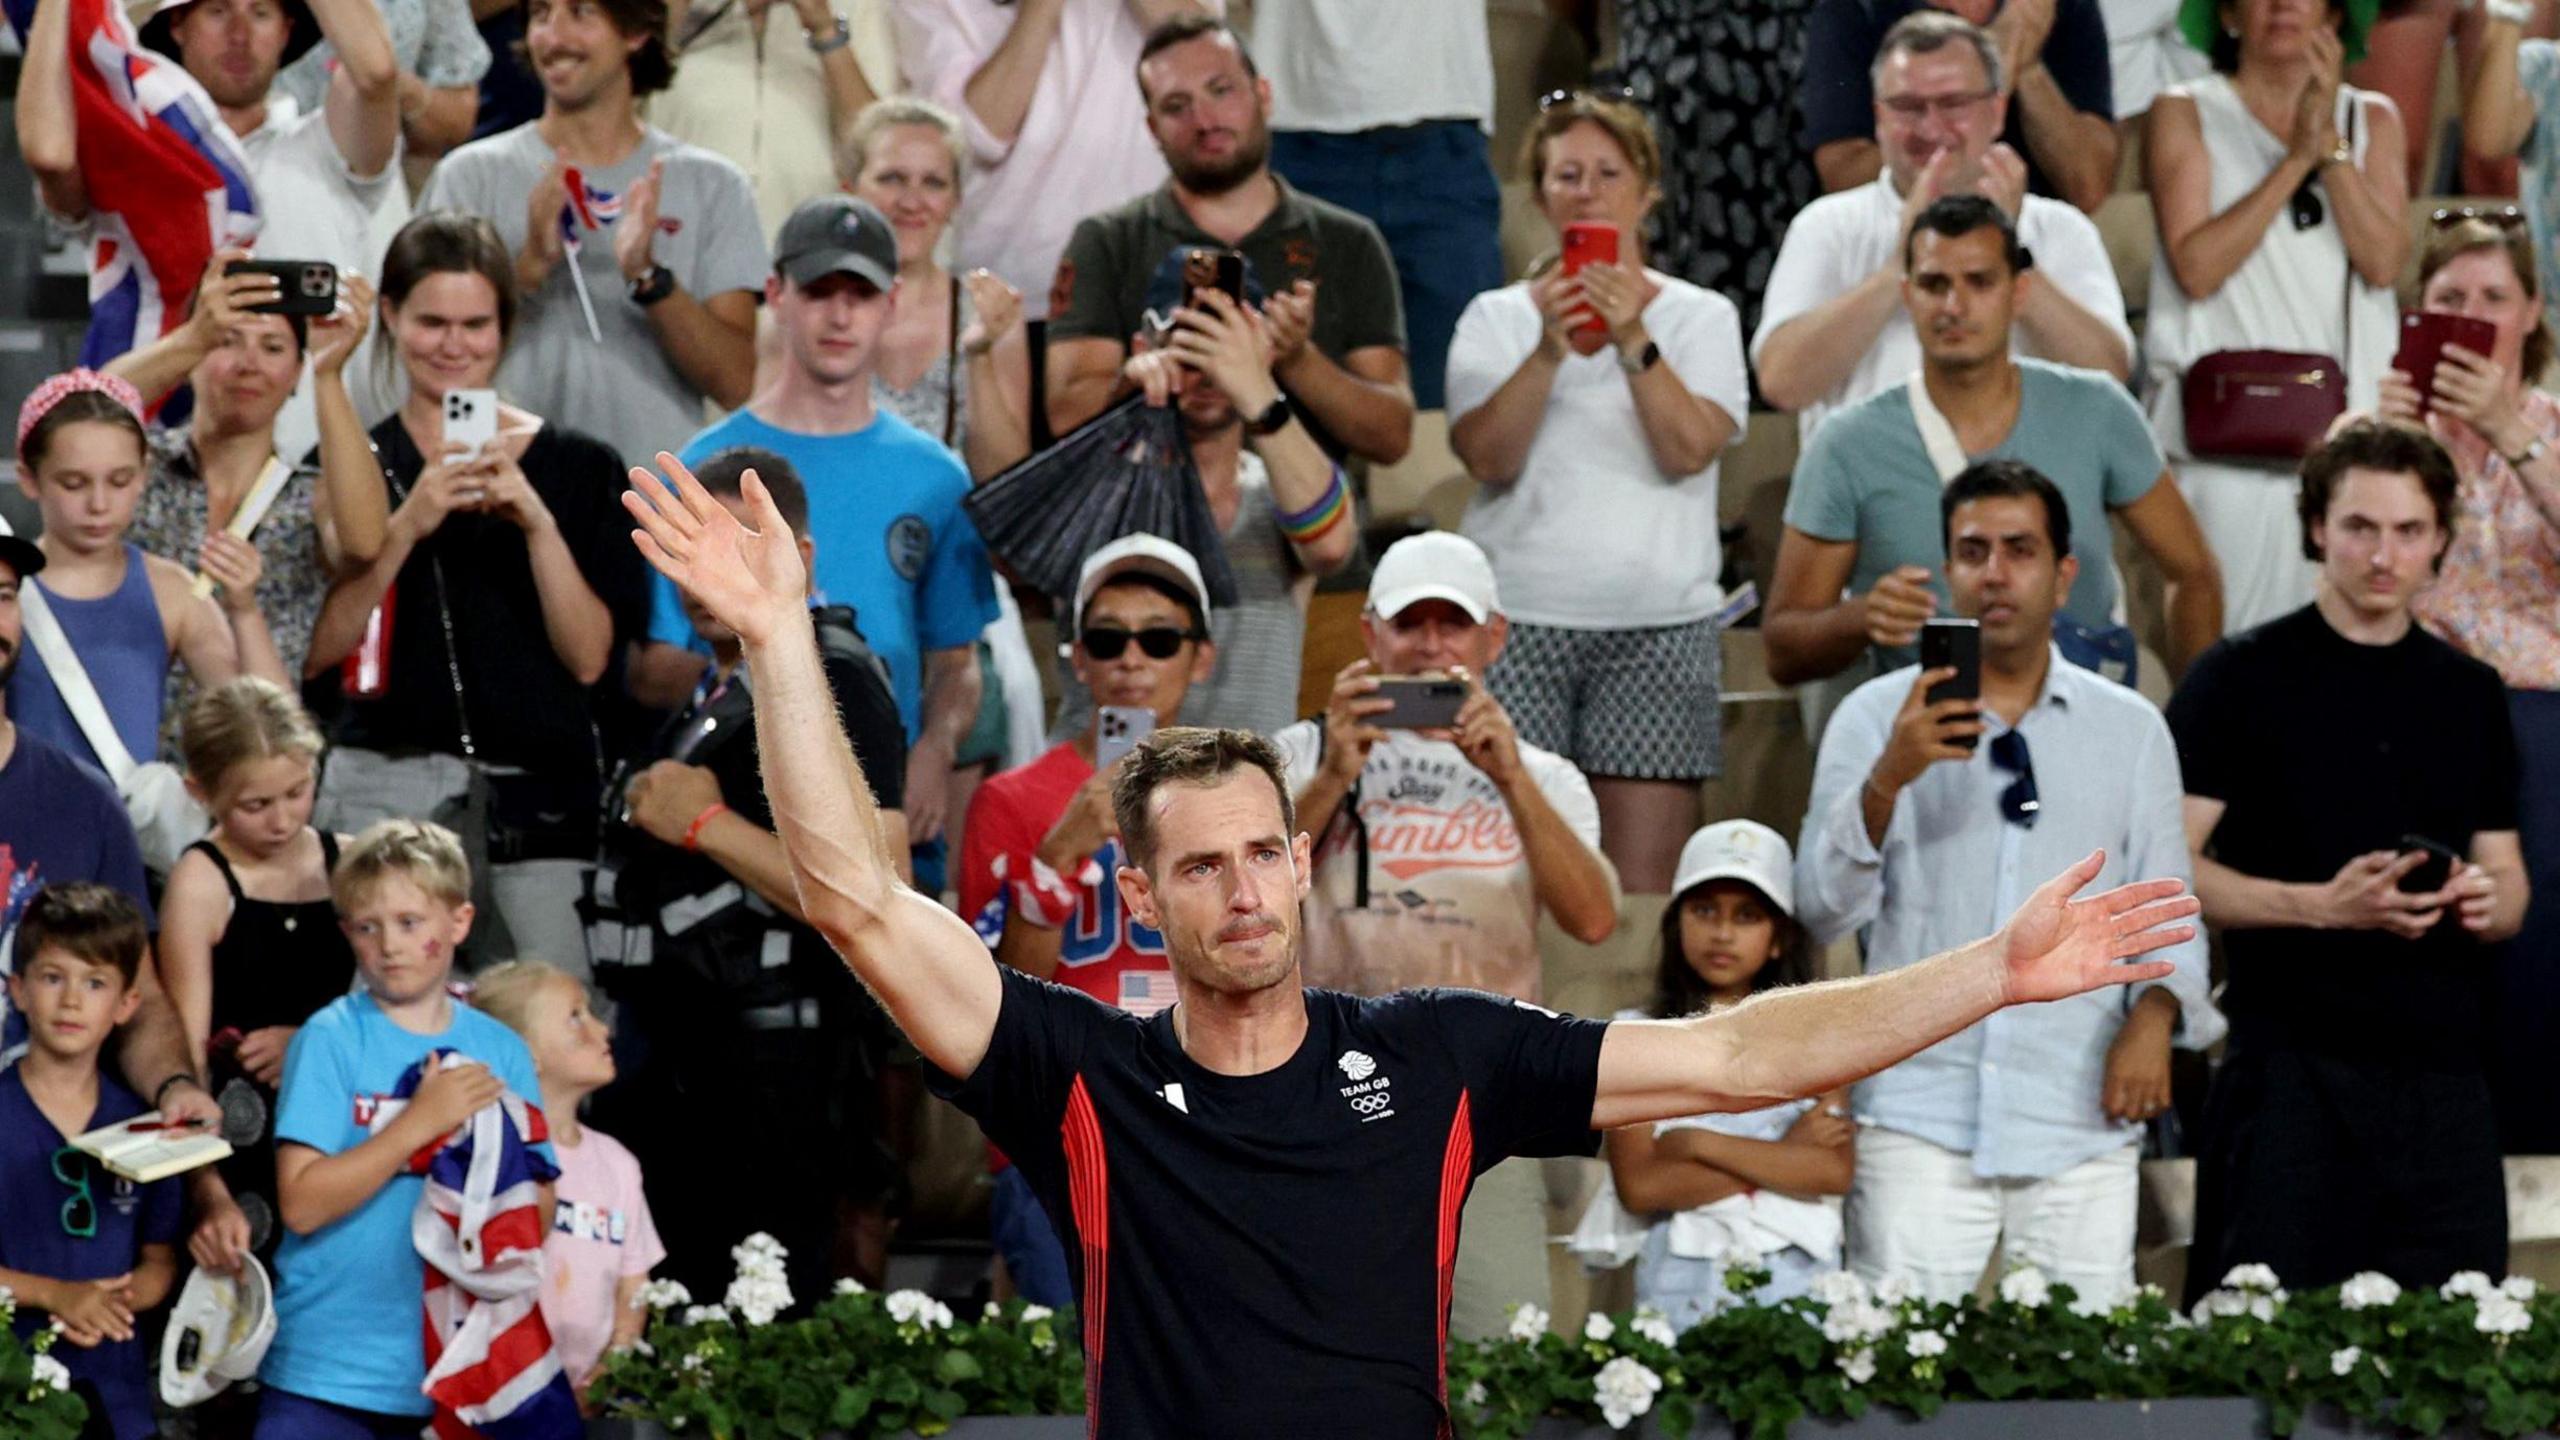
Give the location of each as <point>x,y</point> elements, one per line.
<point>751,580</point>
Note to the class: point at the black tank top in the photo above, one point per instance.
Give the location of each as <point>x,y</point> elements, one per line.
<point>277,961</point>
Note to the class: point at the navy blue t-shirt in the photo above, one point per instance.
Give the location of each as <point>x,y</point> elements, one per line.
<point>60,823</point>
<point>33,1237</point>
<point>1271,1255</point>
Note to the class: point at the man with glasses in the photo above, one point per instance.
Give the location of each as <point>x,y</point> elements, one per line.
<point>1040,847</point>
<point>1832,328</point>
<point>1928,816</point>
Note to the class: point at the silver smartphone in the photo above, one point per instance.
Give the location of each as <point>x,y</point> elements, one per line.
<point>470,421</point>
<point>1419,702</point>
<point>1118,732</point>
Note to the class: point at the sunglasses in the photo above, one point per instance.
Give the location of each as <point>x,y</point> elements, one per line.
<point>1914,107</point>
<point>2018,803</point>
<point>2308,212</point>
<point>1619,93</point>
<point>2505,217</point>
<point>1156,642</point>
<point>80,1212</point>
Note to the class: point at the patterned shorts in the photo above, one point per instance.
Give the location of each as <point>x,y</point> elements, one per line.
<point>1622,704</point>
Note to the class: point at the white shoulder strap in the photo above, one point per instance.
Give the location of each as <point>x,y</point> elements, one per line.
<point>1938,437</point>
<point>71,678</point>
<point>244,522</point>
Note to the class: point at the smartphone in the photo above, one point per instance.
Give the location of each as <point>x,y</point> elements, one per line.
<point>1421,702</point>
<point>1118,730</point>
<point>2434,872</point>
<point>310,287</point>
<point>2423,336</point>
<point>470,420</point>
<point>1207,268</point>
<point>1946,641</point>
<point>1588,242</point>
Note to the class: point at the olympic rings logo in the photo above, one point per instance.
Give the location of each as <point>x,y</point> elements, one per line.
<point>1371,1104</point>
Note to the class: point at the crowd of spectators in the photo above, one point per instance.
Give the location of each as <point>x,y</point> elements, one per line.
<point>327,678</point>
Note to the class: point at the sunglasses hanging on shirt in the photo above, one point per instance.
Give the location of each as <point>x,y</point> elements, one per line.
<point>2018,803</point>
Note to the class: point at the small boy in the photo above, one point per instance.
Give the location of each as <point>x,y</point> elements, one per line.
<point>349,1356</point>
<point>89,1249</point>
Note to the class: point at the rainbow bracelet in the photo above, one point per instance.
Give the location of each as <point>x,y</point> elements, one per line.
<point>1330,509</point>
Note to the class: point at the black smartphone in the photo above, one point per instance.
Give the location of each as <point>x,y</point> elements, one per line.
<point>1420,702</point>
<point>2434,872</point>
<point>310,287</point>
<point>1208,268</point>
<point>1948,642</point>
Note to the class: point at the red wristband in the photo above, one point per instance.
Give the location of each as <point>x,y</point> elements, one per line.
<point>693,832</point>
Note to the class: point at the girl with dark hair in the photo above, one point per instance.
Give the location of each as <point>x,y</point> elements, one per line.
<point>470,649</point>
<point>1686,1197</point>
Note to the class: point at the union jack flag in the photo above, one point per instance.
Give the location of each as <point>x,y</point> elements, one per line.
<point>479,1226</point>
<point>168,182</point>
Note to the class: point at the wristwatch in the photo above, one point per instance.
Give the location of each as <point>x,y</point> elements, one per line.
<point>829,41</point>
<point>2535,451</point>
<point>653,287</point>
<point>1642,360</point>
<point>1274,416</point>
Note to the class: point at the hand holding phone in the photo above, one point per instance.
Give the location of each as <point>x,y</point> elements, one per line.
<point>1589,242</point>
<point>1419,702</point>
<point>1118,729</point>
<point>2436,871</point>
<point>2424,334</point>
<point>470,422</point>
<point>308,288</point>
<point>1947,642</point>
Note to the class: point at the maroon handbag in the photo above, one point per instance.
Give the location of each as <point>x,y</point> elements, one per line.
<point>2261,404</point>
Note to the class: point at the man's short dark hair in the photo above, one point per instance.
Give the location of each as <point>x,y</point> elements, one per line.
<point>2377,445</point>
<point>1160,584</point>
<point>2006,480</point>
<point>724,471</point>
<point>1191,27</point>
<point>1189,755</point>
<point>1956,216</point>
<point>653,65</point>
<point>91,923</point>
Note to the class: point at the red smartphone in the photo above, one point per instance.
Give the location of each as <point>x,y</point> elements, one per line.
<point>1588,242</point>
<point>2423,336</point>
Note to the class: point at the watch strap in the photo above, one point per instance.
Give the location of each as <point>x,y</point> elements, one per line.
<point>653,287</point>
<point>1642,360</point>
<point>1273,419</point>
<point>827,42</point>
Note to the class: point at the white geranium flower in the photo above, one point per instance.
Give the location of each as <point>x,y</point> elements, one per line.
<point>8,1302</point>
<point>2342,1363</point>
<point>914,1307</point>
<point>993,1311</point>
<point>643,1349</point>
<point>50,1373</point>
<point>1896,1288</point>
<point>1528,1323</point>
<point>1860,1367</point>
<point>2090,1307</point>
<point>701,1314</point>
<point>2519,1287</point>
<point>1925,1344</point>
<point>1033,1314</point>
<point>1836,1288</point>
<point>692,1362</point>
<point>2027,1287</point>
<point>2233,1304</point>
<point>758,1250</point>
<point>1655,1326</point>
<point>847,1285</point>
<point>2502,1314</point>
<point>2368,1290</point>
<point>2250,1277</point>
<point>1475,1397</point>
<point>758,1297</point>
<point>1625,1390</point>
<point>1856,1323</point>
<point>2468,1282</point>
<point>663,1295</point>
<point>1599,1328</point>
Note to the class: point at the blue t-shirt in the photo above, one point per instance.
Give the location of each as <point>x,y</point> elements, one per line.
<point>893,542</point>
<point>60,822</point>
<point>32,1237</point>
<point>348,1295</point>
<point>1866,477</point>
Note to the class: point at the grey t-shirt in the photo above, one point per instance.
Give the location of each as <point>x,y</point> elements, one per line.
<point>1255,685</point>
<point>625,391</point>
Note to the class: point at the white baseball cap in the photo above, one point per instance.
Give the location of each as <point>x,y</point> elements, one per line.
<point>218,1332</point>
<point>1739,850</point>
<point>1434,565</point>
<point>1142,554</point>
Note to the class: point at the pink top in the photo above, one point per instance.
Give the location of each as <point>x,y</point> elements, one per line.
<point>600,1234</point>
<point>1083,146</point>
<point>2497,599</point>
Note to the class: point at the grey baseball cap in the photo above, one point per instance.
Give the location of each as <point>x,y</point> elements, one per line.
<point>836,234</point>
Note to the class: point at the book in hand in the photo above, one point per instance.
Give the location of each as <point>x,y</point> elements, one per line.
<point>147,1148</point>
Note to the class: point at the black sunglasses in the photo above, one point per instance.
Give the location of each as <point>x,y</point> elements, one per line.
<point>2018,803</point>
<point>2307,209</point>
<point>1156,642</point>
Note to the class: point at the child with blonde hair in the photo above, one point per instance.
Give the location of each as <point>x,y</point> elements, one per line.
<point>603,1243</point>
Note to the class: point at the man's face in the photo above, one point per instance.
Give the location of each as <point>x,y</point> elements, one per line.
<point>1432,637</point>
<point>11,629</point>
<point>404,939</point>
<point>1133,677</point>
<point>233,47</point>
<point>71,1004</point>
<point>1961,295</point>
<point>578,53</point>
<point>1942,100</point>
<point>2379,540</point>
<point>1224,885</point>
<point>831,326</point>
<point>705,624</point>
<point>2001,569</point>
<point>1210,118</point>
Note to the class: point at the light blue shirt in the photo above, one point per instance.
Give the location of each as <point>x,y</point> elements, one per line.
<point>350,1295</point>
<point>2020,1091</point>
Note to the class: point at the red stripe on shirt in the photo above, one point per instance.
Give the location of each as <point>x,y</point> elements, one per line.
<point>1089,1195</point>
<point>1457,1171</point>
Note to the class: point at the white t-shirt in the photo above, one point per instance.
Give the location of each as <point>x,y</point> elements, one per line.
<point>1451,899</point>
<point>1593,535</point>
<point>1341,66</point>
<point>1839,240</point>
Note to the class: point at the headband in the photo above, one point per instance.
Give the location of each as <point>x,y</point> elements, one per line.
<point>67,384</point>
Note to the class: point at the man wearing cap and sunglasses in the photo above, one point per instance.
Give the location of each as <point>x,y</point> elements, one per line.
<point>1436,850</point>
<point>1041,846</point>
<point>1928,822</point>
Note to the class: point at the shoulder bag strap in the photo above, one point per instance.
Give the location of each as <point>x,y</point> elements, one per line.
<point>253,508</point>
<point>1946,453</point>
<point>951,369</point>
<point>70,678</point>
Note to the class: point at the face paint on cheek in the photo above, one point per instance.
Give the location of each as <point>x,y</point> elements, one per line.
<point>435,949</point>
